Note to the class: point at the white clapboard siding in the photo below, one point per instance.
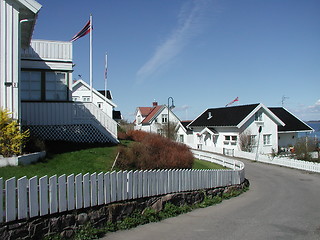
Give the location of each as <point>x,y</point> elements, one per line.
<point>25,198</point>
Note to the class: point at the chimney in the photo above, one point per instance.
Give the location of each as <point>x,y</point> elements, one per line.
<point>154,104</point>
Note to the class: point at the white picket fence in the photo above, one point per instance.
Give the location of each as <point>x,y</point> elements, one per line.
<point>220,159</point>
<point>280,161</point>
<point>27,198</point>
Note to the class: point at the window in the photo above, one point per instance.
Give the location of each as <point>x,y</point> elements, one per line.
<point>252,140</point>
<point>100,105</point>
<point>164,118</point>
<point>267,139</point>
<point>75,99</point>
<point>258,116</point>
<point>181,138</point>
<point>230,140</point>
<point>44,85</point>
<point>30,85</point>
<point>160,132</point>
<point>56,86</point>
<point>86,99</point>
<point>139,119</point>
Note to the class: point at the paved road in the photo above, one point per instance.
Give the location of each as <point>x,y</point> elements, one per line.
<point>282,203</point>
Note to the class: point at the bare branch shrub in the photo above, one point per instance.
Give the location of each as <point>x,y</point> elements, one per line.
<point>155,152</point>
<point>246,141</point>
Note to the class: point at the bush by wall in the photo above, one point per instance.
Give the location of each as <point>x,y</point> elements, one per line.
<point>12,139</point>
<point>152,151</point>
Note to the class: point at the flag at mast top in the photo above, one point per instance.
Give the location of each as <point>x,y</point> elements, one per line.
<point>235,100</point>
<point>84,31</point>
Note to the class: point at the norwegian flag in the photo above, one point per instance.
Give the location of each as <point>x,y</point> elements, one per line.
<point>84,31</point>
<point>235,100</point>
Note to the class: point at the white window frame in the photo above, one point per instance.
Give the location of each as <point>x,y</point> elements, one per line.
<point>230,140</point>
<point>56,89</point>
<point>266,139</point>
<point>164,118</point>
<point>86,99</point>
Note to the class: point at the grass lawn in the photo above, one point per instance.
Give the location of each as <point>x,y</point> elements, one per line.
<point>200,164</point>
<point>83,161</point>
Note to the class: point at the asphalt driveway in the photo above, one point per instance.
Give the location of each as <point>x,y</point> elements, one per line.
<point>282,203</point>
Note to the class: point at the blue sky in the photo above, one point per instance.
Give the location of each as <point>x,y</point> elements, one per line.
<point>203,53</point>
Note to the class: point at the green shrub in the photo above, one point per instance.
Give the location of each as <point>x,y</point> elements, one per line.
<point>12,139</point>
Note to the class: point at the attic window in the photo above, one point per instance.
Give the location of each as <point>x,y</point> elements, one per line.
<point>209,115</point>
<point>258,116</point>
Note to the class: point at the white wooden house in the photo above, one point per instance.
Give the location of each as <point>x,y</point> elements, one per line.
<point>17,20</point>
<point>184,134</point>
<point>153,119</point>
<point>36,82</point>
<point>221,129</point>
<point>81,92</point>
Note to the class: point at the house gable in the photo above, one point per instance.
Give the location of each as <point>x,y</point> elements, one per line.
<point>270,114</point>
<point>81,85</point>
<point>155,112</point>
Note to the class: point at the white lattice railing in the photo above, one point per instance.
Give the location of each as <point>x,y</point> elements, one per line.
<point>66,113</point>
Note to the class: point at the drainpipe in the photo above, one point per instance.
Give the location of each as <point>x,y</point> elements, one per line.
<point>19,68</point>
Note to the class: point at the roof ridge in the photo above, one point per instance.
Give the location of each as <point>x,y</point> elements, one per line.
<point>244,105</point>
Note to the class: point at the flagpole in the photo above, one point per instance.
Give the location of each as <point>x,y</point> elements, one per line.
<point>91,57</point>
<point>105,75</point>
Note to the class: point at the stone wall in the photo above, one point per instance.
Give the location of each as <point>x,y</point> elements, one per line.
<point>66,223</point>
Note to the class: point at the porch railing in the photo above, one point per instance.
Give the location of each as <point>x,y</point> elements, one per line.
<point>66,113</point>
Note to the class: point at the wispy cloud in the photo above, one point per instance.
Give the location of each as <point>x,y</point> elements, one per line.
<point>190,22</point>
<point>311,112</point>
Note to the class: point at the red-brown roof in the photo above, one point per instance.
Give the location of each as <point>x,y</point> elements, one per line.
<point>145,110</point>
<point>152,113</point>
